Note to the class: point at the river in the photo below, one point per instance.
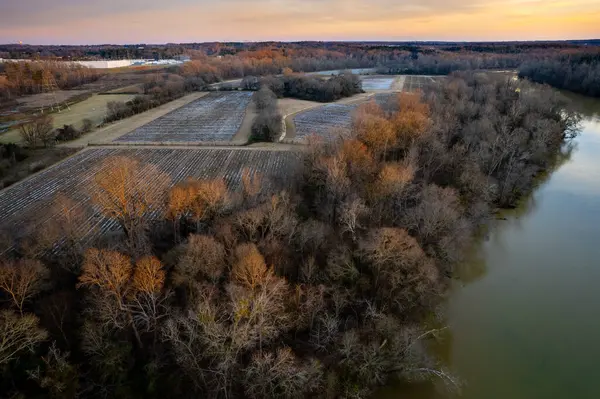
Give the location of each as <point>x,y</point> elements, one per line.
<point>524,317</point>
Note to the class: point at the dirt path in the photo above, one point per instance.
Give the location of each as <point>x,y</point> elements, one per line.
<point>243,134</point>
<point>119,128</point>
<point>398,84</point>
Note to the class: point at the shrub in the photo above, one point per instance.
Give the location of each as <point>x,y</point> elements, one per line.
<point>87,125</point>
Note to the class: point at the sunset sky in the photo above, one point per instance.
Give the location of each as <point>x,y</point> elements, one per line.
<point>161,21</point>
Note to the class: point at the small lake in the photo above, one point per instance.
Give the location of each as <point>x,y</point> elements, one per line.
<point>524,320</point>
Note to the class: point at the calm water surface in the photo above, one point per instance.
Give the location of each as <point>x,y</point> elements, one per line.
<point>525,319</point>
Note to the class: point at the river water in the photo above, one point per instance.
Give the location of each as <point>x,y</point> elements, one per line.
<point>524,319</point>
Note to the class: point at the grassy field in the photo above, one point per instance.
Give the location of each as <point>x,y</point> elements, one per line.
<point>27,204</point>
<point>94,108</point>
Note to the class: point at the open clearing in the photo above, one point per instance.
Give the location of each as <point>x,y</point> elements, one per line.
<point>27,204</point>
<point>94,108</point>
<point>216,117</point>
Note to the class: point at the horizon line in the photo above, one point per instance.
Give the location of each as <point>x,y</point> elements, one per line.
<point>313,41</point>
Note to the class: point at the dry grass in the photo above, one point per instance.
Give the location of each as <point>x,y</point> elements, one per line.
<point>44,100</point>
<point>94,108</point>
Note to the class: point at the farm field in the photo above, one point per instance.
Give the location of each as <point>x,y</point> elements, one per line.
<point>94,108</point>
<point>106,134</point>
<point>420,82</point>
<point>216,117</point>
<point>322,120</point>
<point>27,204</point>
<point>376,83</point>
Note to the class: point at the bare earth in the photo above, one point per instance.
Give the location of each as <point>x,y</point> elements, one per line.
<point>243,135</point>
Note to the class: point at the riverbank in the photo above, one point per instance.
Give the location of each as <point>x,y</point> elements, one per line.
<point>522,313</point>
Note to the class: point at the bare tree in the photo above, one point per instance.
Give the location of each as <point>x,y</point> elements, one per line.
<point>107,270</point>
<point>200,257</point>
<point>282,375</point>
<point>350,214</point>
<point>38,132</point>
<point>64,234</point>
<point>18,334</point>
<point>252,185</point>
<point>130,193</point>
<point>108,275</point>
<point>404,275</point>
<point>57,375</point>
<point>147,301</point>
<point>198,200</point>
<point>22,280</point>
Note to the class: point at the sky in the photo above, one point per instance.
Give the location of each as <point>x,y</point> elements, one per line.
<point>180,21</point>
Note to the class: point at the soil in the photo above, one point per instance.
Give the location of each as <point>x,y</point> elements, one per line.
<point>243,134</point>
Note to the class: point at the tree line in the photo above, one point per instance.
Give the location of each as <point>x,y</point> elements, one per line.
<point>313,88</point>
<point>170,50</point>
<point>578,73</point>
<point>311,288</point>
<point>268,123</point>
<point>158,89</point>
<point>21,78</point>
<point>40,131</point>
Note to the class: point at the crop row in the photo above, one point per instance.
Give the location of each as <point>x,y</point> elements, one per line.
<point>24,206</point>
<point>323,120</point>
<point>414,83</point>
<point>215,117</point>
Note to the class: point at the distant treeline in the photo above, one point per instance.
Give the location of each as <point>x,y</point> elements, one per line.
<point>158,89</point>
<point>443,64</point>
<point>21,78</point>
<point>162,51</point>
<point>578,73</point>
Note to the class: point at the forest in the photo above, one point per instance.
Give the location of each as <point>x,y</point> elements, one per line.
<point>171,50</point>
<point>315,289</point>
<point>22,78</point>
<point>579,73</point>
